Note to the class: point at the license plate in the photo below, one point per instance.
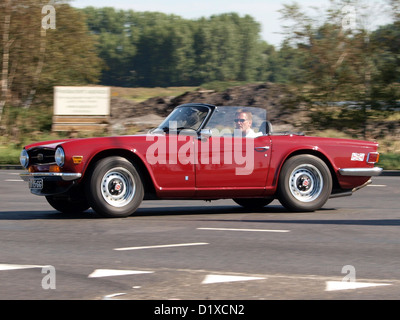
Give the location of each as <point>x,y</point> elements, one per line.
<point>36,184</point>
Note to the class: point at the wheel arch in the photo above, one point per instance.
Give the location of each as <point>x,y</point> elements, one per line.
<point>317,154</point>
<point>147,181</point>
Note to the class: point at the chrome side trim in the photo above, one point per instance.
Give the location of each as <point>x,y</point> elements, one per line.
<point>361,172</point>
<point>64,176</point>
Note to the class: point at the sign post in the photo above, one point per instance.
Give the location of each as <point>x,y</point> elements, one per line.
<point>81,108</point>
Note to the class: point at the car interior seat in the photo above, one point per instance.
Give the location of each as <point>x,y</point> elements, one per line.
<point>266,128</point>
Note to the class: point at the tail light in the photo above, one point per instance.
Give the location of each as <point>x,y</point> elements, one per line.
<point>373,157</point>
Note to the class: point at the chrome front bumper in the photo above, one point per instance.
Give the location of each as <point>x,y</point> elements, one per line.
<point>51,176</point>
<point>361,172</point>
<point>50,183</point>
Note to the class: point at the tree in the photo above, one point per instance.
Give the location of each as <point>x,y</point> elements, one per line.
<point>228,47</point>
<point>387,58</point>
<point>164,51</point>
<point>341,62</point>
<point>249,45</point>
<point>35,57</point>
<point>287,65</point>
<point>5,91</point>
<point>156,49</point>
<point>115,43</point>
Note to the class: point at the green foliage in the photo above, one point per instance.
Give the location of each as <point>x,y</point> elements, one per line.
<point>9,155</point>
<point>38,59</point>
<point>21,125</point>
<point>35,59</point>
<point>287,65</point>
<point>330,64</point>
<point>390,161</point>
<point>71,56</point>
<point>155,49</point>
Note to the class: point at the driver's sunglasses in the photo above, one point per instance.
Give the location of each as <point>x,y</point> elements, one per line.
<point>240,120</point>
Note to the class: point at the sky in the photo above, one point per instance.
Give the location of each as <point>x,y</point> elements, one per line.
<point>263,11</point>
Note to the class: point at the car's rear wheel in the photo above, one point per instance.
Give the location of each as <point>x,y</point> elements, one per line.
<point>114,188</point>
<point>305,183</point>
<point>253,204</point>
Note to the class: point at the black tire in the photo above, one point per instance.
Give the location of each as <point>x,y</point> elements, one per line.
<point>253,204</point>
<point>114,188</point>
<point>68,204</point>
<point>305,183</point>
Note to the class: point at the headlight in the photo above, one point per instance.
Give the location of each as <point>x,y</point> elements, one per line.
<point>59,156</point>
<point>24,158</point>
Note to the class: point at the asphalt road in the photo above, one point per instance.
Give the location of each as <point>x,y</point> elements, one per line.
<point>200,250</point>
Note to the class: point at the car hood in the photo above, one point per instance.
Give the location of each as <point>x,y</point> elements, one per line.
<point>52,144</point>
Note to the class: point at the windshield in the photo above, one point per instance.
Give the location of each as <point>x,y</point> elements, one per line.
<point>225,120</point>
<point>185,118</point>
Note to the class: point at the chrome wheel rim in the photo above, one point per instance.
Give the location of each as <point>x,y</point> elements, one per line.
<point>306,183</point>
<point>118,187</point>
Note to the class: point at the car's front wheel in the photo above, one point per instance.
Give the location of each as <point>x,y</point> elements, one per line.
<point>305,183</point>
<point>68,203</point>
<point>114,188</point>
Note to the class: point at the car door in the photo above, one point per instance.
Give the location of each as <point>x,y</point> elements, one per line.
<point>232,163</point>
<point>172,161</point>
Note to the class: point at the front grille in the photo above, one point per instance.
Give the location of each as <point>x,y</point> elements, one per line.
<point>41,156</point>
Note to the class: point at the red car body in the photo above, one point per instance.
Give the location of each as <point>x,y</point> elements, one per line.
<point>193,163</point>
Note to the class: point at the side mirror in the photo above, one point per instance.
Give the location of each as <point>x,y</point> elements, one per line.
<point>205,134</point>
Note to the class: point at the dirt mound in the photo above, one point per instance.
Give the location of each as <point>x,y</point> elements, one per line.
<point>272,97</point>
<point>283,110</point>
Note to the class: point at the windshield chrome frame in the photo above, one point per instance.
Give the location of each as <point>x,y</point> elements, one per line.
<point>210,108</point>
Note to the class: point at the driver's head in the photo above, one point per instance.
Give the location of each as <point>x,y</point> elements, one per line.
<point>243,120</point>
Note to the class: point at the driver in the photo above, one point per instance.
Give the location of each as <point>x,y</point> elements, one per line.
<point>243,121</point>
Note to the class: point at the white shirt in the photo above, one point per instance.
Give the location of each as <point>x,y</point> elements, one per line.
<point>251,134</point>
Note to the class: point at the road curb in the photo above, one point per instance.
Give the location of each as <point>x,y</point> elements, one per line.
<point>386,173</point>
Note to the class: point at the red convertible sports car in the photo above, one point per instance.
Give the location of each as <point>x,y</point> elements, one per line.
<point>199,151</point>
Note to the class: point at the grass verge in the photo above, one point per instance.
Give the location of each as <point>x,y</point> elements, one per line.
<point>389,161</point>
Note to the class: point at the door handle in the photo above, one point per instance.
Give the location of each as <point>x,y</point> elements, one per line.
<point>261,149</point>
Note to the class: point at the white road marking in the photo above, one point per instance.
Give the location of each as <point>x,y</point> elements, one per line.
<point>218,278</point>
<point>111,296</point>
<point>163,246</point>
<point>343,285</point>
<point>14,180</point>
<point>99,273</point>
<point>248,230</point>
<point>4,267</point>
